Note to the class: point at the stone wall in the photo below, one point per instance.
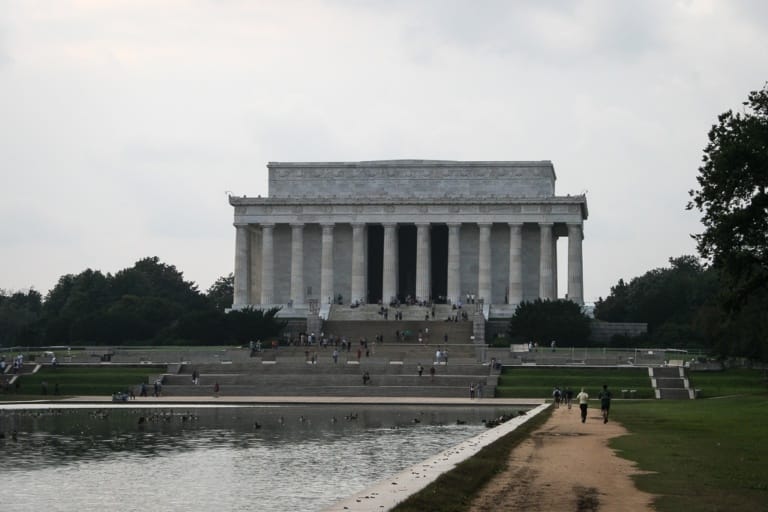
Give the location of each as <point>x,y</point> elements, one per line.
<point>411,178</point>
<point>602,332</point>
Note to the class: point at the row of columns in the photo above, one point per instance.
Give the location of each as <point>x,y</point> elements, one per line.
<point>423,270</point>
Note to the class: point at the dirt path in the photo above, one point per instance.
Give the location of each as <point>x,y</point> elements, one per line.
<point>566,466</point>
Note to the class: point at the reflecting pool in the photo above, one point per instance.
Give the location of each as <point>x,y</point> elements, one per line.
<point>270,458</point>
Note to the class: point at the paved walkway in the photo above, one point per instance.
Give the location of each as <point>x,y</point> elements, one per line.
<point>566,465</point>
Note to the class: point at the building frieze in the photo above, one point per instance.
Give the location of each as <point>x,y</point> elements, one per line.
<point>570,209</point>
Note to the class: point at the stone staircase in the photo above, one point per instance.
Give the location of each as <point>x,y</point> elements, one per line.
<point>392,365</point>
<point>671,383</point>
<point>393,373</point>
<point>433,333</point>
<point>372,312</point>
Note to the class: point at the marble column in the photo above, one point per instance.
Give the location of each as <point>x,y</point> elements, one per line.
<point>389,278</point>
<point>242,266</point>
<point>423,290</point>
<point>454,263</point>
<point>326,265</point>
<point>267,263</point>
<point>484,264</point>
<point>358,262</point>
<point>297,263</point>
<point>255,263</point>
<point>575,264</point>
<point>515,286</point>
<point>365,266</point>
<point>554,266</point>
<point>546,279</point>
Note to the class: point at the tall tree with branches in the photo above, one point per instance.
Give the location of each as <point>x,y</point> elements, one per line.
<point>733,198</point>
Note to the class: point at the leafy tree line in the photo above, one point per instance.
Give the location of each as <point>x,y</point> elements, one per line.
<point>733,198</point>
<point>148,303</point>
<point>673,301</point>
<point>685,306</point>
<point>542,321</point>
<point>722,304</point>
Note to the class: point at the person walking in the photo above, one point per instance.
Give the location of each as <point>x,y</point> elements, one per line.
<point>556,395</point>
<point>583,399</point>
<point>605,402</point>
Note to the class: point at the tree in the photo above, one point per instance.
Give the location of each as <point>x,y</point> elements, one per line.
<point>19,318</point>
<point>222,292</point>
<point>140,303</point>
<point>546,320</point>
<point>252,324</point>
<point>615,307</point>
<point>207,327</point>
<point>73,298</point>
<point>667,299</point>
<point>733,198</point>
<point>149,277</point>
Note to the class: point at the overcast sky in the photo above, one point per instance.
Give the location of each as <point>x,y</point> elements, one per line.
<point>123,124</point>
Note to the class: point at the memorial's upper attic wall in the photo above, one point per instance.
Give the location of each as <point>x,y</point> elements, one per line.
<point>411,178</point>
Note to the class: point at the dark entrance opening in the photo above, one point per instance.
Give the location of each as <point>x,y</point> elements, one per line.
<point>439,277</point>
<point>375,262</point>
<point>406,257</point>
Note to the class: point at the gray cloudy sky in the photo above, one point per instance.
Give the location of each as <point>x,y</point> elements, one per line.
<point>123,123</point>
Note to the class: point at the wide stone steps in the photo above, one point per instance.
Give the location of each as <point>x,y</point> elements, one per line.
<point>674,394</point>
<point>670,373</point>
<point>350,391</point>
<point>373,312</point>
<point>291,377</point>
<point>285,381</point>
<point>671,383</point>
<point>327,367</point>
<point>433,332</point>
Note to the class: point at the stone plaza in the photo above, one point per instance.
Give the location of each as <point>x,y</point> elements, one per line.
<point>406,231</point>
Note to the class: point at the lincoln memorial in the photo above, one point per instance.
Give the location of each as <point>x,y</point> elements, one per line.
<point>383,231</point>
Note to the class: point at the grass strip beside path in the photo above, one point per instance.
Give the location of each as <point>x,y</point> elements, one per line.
<point>532,382</point>
<point>103,380</point>
<point>455,490</point>
<point>703,455</point>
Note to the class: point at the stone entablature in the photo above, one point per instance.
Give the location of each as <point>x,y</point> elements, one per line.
<point>411,178</point>
<point>249,210</point>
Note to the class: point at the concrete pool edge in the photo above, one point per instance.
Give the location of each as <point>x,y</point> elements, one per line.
<point>104,401</point>
<point>388,492</point>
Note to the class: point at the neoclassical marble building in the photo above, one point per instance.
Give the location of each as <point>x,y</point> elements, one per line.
<point>429,229</point>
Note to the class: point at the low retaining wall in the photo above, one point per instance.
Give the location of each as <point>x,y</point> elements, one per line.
<point>389,492</point>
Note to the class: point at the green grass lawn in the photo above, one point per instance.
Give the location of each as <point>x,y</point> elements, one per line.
<point>532,382</point>
<point>730,382</point>
<point>102,380</point>
<point>703,455</point>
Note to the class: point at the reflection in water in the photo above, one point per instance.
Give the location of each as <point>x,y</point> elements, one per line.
<point>274,458</point>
